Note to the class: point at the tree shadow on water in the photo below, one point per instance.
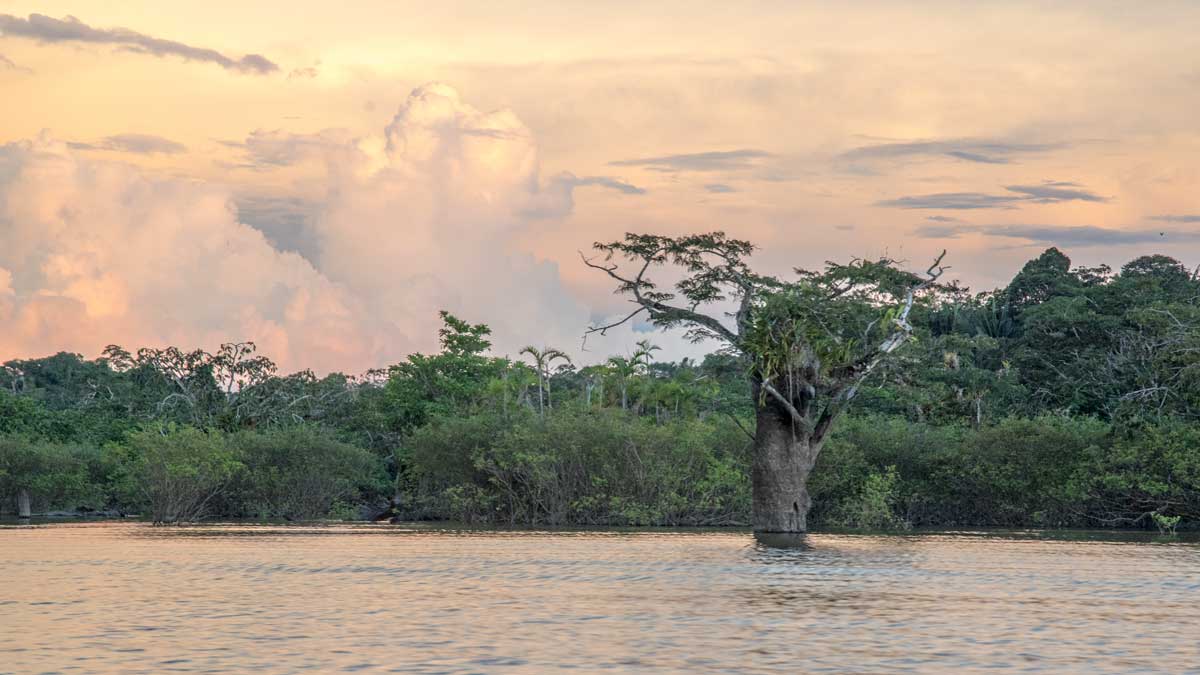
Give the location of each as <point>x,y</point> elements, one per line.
<point>782,541</point>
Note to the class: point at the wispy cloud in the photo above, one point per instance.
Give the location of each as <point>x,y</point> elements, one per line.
<point>142,144</point>
<point>699,161</point>
<point>971,150</point>
<point>953,200</point>
<point>1050,192</point>
<point>611,183</point>
<point>1178,218</point>
<point>271,149</point>
<point>6,62</point>
<point>1055,191</point>
<point>719,188</point>
<point>47,29</point>
<point>1065,235</point>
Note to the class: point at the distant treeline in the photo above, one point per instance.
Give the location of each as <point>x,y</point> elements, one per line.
<point>1068,398</point>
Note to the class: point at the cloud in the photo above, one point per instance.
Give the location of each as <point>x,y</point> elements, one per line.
<point>8,64</point>
<point>47,29</point>
<point>940,231</point>
<point>1064,235</point>
<point>308,73</point>
<point>971,150</point>
<point>943,219</point>
<point>267,149</point>
<point>99,252</point>
<point>1178,218</point>
<point>427,215</point>
<point>289,223</point>
<point>1054,192</point>
<point>699,161</point>
<point>719,188</point>
<point>1050,192</point>
<point>142,144</point>
<point>952,200</point>
<point>611,183</point>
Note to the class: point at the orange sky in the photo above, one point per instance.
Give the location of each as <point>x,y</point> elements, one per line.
<point>309,199</point>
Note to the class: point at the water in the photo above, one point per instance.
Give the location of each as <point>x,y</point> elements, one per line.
<point>131,598</point>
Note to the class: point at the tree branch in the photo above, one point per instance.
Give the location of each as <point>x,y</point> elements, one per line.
<point>857,372</point>
<point>658,310</point>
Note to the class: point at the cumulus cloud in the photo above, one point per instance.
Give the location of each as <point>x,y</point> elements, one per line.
<point>46,29</point>
<point>94,253</point>
<point>699,161</point>
<point>1050,192</point>
<point>426,216</point>
<point>142,144</point>
<point>288,222</point>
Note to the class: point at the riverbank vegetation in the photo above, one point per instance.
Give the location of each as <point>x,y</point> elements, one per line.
<point>1070,397</point>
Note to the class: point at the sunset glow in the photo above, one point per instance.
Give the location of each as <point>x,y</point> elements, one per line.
<point>322,178</point>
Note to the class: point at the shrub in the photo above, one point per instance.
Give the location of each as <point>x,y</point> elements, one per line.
<point>300,473</point>
<point>52,475</point>
<point>581,467</point>
<point>178,472</point>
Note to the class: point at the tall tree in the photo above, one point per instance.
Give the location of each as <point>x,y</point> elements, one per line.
<point>542,360</point>
<point>810,342</point>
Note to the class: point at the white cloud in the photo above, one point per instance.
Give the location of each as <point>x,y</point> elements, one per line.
<point>425,217</point>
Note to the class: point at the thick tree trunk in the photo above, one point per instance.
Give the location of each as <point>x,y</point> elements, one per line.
<point>783,458</point>
<point>23,509</point>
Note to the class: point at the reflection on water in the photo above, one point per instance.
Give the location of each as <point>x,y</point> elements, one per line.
<point>130,598</point>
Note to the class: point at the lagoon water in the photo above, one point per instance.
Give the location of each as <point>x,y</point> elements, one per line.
<point>131,598</point>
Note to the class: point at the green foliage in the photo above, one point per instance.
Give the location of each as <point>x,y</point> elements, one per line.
<point>1166,524</point>
<point>581,467</point>
<point>300,473</point>
<point>55,475</point>
<point>1070,397</point>
<point>178,472</point>
<point>874,507</point>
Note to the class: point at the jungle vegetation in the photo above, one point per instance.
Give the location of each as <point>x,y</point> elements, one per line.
<point>1068,398</point>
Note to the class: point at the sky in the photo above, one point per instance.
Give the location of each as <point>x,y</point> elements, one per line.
<point>322,178</point>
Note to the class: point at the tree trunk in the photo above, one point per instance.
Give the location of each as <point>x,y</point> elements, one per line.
<point>23,510</point>
<point>541,394</point>
<point>783,459</point>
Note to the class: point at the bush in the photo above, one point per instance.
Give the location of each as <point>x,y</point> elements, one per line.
<point>1147,469</point>
<point>1017,472</point>
<point>875,507</point>
<point>300,473</point>
<point>178,472</point>
<point>581,467</point>
<point>53,475</point>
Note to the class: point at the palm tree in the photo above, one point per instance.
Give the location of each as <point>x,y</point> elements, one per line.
<point>645,352</point>
<point>593,377</point>
<point>624,369</point>
<point>542,358</point>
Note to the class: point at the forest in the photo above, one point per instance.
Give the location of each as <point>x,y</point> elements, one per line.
<point>1068,398</point>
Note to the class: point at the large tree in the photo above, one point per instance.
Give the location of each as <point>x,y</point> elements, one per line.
<point>807,343</point>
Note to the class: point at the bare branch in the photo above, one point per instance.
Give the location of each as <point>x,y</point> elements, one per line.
<point>787,405</point>
<point>660,311</point>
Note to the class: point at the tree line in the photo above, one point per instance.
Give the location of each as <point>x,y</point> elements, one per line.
<point>1069,397</point>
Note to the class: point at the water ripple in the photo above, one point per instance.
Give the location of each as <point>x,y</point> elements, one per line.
<point>130,598</point>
